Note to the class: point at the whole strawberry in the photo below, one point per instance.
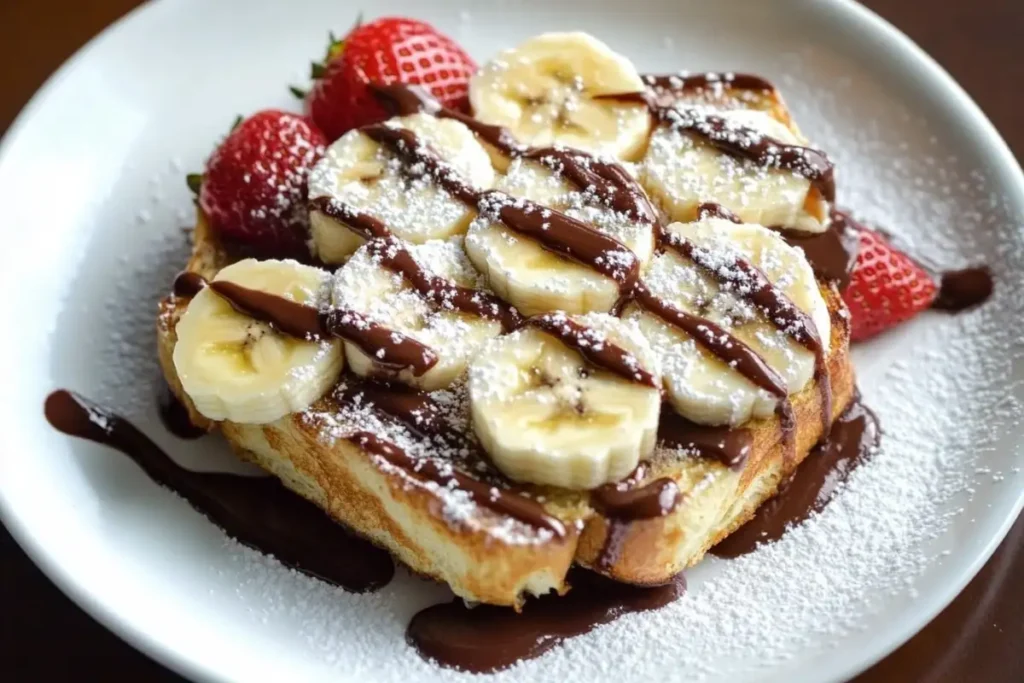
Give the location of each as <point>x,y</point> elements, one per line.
<point>387,50</point>
<point>254,187</point>
<point>886,288</point>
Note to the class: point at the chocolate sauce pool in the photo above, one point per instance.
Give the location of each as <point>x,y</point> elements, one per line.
<point>257,511</point>
<point>486,638</point>
<point>852,439</point>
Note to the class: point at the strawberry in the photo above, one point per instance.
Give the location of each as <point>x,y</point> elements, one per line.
<point>387,50</point>
<point>254,187</point>
<point>886,288</point>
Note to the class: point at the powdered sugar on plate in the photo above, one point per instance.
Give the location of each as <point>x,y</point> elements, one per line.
<point>941,386</point>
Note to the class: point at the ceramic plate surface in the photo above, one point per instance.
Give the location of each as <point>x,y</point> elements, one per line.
<point>92,185</point>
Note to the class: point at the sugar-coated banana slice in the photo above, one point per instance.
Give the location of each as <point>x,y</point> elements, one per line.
<point>236,368</point>
<point>544,90</point>
<point>535,279</point>
<point>359,174</point>
<point>546,415</point>
<point>699,385</point>
<point>368,286</point>
<point>680,171</point>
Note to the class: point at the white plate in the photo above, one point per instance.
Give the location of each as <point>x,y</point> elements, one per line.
<point>92,190</point>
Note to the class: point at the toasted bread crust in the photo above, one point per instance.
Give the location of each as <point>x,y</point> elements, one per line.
<point>401,513</point>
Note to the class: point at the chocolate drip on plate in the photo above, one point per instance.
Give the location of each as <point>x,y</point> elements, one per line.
<point>403,100</point>
<point>441,292</point>
<point>257,511</point>
<point>854,437</point>
<point>485,495</point>
<point>963,289</point>
<point>595,348</point>
<point>486,638</point>
<point>174,415</point>
<point>729,445</point>
<point>291,317</point>
<point>363,224</point>
<point>386,346</point>
<point>187,284</point>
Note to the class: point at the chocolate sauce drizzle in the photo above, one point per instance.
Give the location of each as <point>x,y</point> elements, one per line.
<point>729,445</point>
<point>713,210</point>
<point>486,638</point>
<point>291,317</point>
<point>386,346</point>
<point>257,511</point>
<point>361,223</point>
<point>854,437</point>
<point>415,409</point>
<point>597,350</point>
<point>832,253</point>
<point>187,284</point>
<point>518,507</point>
<point>174,415</point>
<point>627,501</point>
<point>440,292</point>
<point>684,84</point>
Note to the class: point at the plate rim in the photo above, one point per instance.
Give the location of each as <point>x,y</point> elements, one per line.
<point>864,21</point>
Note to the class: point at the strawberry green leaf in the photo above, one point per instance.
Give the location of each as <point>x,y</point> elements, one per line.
<point>194,182</point>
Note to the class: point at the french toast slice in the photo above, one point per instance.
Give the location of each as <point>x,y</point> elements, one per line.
<point>485,555</point>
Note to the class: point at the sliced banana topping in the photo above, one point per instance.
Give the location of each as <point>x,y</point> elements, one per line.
<point>535,279</point>
<point>371,286</point>
<point>359,176</point>
<point>681,171</point>
<point>236,368</point>
<point>548,415</point>
<point>544,90</point>
<point>701,386</point>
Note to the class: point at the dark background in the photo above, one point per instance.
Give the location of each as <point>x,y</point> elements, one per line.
<point>980,638</point>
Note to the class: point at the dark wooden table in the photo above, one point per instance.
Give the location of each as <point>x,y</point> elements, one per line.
<point>43,636</point>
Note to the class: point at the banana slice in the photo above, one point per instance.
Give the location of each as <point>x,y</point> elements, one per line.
<point>369,287</point>
<point>701,387</point>
<point>235,368</point>
<point>361,176</point>
<point>680,171</point>
<point>536,280</point>
<point>547,416</point>
<point>544,89</point>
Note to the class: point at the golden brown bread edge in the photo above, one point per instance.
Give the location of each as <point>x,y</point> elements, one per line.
<point>399,513</point>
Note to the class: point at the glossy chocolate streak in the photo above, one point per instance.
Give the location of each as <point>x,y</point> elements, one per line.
<point>174,415</point>
<point>485,495</point>
<point>188,284</point>
<point>746,143</point>
<point>729,445</point>
<point>710,80</point>
<point>403,100</point>
<point>713,210</point>
<point>963,289</point>
<point>716,340</point>
<point>854,437</point>
<point>291,317</point>
<point>626,501</point>
<point>257,511</point>
<point>486,638</point>
<point>566,236</point>
<point>384,345</point>
<point>609,181</point>
<point>407,145</point>
<point>833,253</point>
<point>363,224</point>
<point>597,350</point>
<point>444,293</point>
<point>757,289</point>
<point>413,408</point>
